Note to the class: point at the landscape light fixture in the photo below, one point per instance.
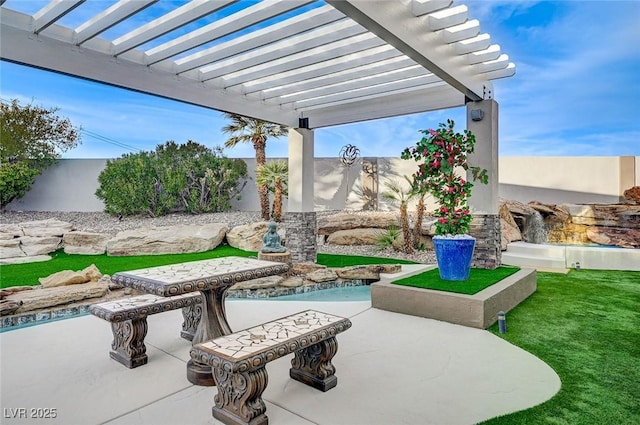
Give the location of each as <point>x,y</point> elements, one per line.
<point>477,114</point>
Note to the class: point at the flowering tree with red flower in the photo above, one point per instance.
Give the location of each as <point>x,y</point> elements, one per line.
<point>439,153</point>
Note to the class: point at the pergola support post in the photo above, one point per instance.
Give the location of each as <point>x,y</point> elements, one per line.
<point>482,120</point>
<point>300,218</point>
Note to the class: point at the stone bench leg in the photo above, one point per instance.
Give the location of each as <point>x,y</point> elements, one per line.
<point>312,365</point>
<point>239,398</point>
<point>128,342</point>
<point>191,315</point>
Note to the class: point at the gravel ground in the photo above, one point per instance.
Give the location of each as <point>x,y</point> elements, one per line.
<point>105,223</point>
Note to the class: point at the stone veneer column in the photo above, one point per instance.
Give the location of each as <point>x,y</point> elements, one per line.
<point>486,229</point>
<point>485,226</point>
<point>301,236</point>
<point>300,219</point>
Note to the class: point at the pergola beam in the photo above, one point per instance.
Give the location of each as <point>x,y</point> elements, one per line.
<point>52,12</point>
<point>262,37</point>
<point>108,18</point>
<point>345,61</point>
<point>369,70</point>
<point>243,19</point>
<point>317,55</point>
<point>327,67</point>
<point>307,44</point>
<point>183,15</point>
<point>355,84</point>
<point>399,27</point>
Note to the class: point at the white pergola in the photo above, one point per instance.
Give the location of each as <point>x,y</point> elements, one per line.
<point>302,63</point>
<point>332,62</point>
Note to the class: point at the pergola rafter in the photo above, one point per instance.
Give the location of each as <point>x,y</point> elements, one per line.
<point>331,62</point>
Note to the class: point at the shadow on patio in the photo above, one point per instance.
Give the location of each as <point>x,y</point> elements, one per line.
<point>391,369</point>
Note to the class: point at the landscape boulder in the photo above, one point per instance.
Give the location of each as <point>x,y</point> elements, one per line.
<point>292,282</point>
<point>9,307</point>
<point>25,259</point>
<point>369,236</point>
<point>356,220</point>
<point>5,292</point>
<point>10,248</point>
<point>632,194</point>
<point>49,227</point>
<point>50,297</point>
<point>167,240</point>
<point>614,215</point>
<point>305,267</point>
<point>322,275</point>
<point>367,272</point>
<point>70,277</point>
<point>10,231</point>
<point>248,237</point>
<point>39,245</point>
<point>259,283</point>
<point>509,233</point>
<point>85,243</point>
<point>622,237</point>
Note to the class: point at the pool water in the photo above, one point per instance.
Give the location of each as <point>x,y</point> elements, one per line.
<point>348,293</point>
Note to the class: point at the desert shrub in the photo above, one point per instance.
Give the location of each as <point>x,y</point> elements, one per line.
<point>188,177</point>
<point>388,237</point>
<point>16,179</point>
<point>31,139</point>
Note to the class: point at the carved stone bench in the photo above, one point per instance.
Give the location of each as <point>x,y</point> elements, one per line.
<point>238,361</point>
<point>128,317</point>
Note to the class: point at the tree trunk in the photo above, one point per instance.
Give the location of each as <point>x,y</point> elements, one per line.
<point>417,229</point>
<point>406,231</point>
<point>263,193</point>
<point>277,209</point>
<point>259,145</point>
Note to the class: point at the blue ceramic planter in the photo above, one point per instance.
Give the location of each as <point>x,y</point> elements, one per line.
<point>454,257</point>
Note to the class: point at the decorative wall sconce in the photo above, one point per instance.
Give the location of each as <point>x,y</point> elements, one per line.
<point>477,114</point>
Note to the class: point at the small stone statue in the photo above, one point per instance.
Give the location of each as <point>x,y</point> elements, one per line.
<point>271,240</point>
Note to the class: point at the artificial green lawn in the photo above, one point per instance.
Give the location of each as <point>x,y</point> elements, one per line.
<point>479,279</point>
<point>586,326</point>
<point>28,274</point>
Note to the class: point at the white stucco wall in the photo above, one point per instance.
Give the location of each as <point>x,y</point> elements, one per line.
<point>70,184</point>
<point>572,179</point>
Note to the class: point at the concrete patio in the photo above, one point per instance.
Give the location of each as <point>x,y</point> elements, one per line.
<point>391,368</point>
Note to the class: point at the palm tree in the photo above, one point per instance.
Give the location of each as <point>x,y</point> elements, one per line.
<point>420,192</point>
<point>397,194</point>
<point>274,175</point>
<point>251,130</point>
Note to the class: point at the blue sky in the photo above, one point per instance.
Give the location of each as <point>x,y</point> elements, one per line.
<point>574,93</point>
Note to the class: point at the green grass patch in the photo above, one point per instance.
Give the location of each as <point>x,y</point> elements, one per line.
<point>586,326</point>
<point>479,279</point>
<point>331,260</point>
<point>28,274</point>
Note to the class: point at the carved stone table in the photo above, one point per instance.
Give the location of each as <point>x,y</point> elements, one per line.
<point>212,278</point>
